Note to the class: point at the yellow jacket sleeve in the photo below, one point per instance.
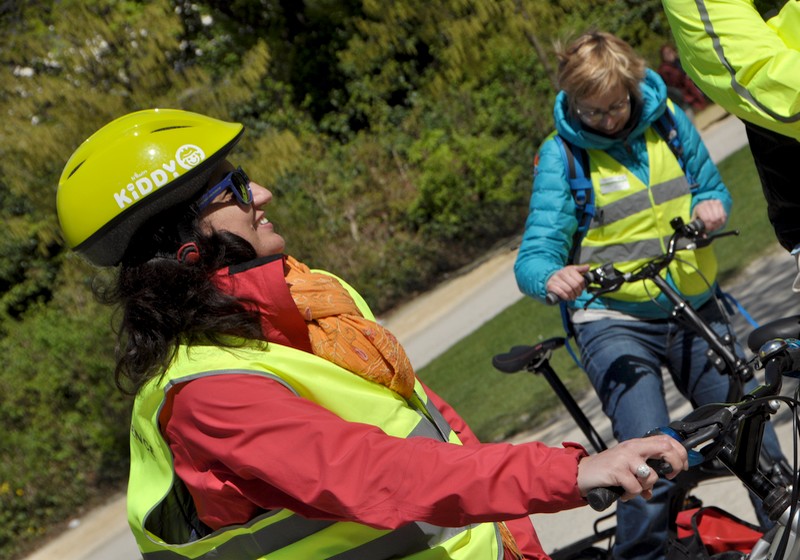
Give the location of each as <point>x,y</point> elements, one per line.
<point>749,66</point>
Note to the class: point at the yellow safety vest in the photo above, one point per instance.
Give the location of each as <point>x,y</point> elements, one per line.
<point>631,223</point>
<point>158,501</point>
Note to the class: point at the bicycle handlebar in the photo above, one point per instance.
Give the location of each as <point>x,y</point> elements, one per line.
<point>608,279</point>
<point>601,498</point>
<point>707,424</point>
<point>552,299</point>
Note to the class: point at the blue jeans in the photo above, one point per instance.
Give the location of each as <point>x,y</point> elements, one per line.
<point>623,360</point>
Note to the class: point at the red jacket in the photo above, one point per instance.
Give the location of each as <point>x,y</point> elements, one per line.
<point>244,444</point>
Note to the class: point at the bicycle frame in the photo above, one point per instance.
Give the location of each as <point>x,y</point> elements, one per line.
<point>536,359</point>
<point>723,349</point>
<point>713,423</point>
<point>768,547</point>
<point>741,457</point>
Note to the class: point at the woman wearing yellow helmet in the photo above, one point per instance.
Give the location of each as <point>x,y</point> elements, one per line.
<point>274,418</point>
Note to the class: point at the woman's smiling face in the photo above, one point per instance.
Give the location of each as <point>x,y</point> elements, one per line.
<point>226,213</point>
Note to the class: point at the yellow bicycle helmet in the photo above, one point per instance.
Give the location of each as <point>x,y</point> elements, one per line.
<point>131,170</point>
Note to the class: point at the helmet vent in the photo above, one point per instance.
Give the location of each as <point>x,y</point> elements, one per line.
<point>71,173</point>
<point>168,128</point>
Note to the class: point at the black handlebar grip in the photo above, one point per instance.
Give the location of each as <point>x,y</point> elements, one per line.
<point>696,226</point>
<point>601,498</point>
<point>552,299</point>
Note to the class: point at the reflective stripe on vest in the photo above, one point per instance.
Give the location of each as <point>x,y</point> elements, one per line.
<point>631,222</point>
<point>778,102</point>
<point>620,209</point>
<point>281,534</point>
<point>409,539</point>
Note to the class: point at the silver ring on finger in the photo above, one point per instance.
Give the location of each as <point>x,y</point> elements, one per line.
<point>643,471</point>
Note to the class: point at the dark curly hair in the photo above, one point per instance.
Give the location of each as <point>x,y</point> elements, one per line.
<point>165,302</point>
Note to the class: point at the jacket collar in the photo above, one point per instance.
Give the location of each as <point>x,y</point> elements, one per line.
<point>261,284</point>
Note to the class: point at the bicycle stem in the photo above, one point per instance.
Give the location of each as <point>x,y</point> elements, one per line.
<point>736,365</point>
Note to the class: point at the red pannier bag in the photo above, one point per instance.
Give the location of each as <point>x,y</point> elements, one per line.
<point>717,529</point>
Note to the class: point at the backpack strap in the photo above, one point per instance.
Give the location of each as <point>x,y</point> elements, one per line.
<point>732,305</point>
<point>576,161</point>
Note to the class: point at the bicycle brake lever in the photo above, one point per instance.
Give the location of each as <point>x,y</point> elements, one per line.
<point>701,436</point>
<point>607,279</point>
<point>702,425</point>
<point>705,241</point>
<point>719,415</point>
<point>607,286</point>
<point>595,294</point>
<point>724,233</point>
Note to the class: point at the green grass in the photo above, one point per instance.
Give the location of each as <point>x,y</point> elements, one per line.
<point>497,405</point>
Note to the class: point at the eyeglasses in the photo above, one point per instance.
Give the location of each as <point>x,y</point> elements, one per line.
<point>239,184</point>
<point>595,116</point>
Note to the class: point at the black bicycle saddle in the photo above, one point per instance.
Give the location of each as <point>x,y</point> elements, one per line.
<point>788,327</point>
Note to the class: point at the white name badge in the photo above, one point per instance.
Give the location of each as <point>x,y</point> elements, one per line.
<point>614,183</point>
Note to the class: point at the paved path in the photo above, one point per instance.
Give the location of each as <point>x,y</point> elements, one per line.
<point>428,326</point>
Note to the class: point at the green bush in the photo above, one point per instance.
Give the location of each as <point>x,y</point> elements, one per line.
<point>65,425</point>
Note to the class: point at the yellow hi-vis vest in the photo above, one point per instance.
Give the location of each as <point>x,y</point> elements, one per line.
<point>158,503</point>
<point>631,223</point>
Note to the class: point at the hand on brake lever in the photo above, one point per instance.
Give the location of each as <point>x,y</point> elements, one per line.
<point>616,467</point>
<point>701,426</point>
<point>603,280</point>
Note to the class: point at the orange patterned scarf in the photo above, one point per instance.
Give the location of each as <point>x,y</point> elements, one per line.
<point>340,333</point>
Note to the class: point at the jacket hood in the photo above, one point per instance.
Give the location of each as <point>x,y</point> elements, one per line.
<point>654,102</point>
